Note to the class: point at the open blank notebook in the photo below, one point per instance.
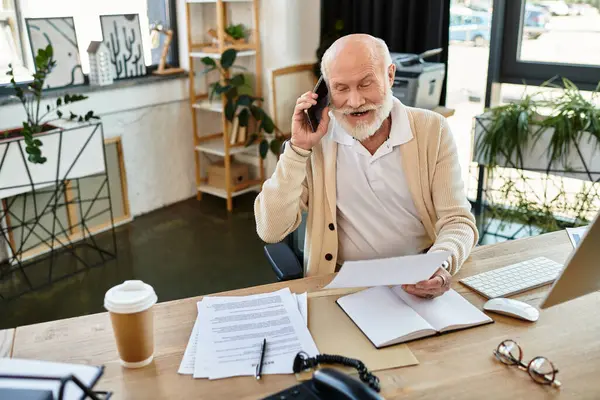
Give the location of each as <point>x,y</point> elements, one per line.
<point>389,316</point>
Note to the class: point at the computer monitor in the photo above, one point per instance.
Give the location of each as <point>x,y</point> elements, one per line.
<point>581,274</point>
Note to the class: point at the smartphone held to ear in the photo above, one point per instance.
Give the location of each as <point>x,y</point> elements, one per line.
<point>313,114</point>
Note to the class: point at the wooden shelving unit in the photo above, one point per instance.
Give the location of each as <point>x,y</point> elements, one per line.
<point>219,144</point>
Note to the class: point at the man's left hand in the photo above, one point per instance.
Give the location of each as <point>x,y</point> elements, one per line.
<point>436,286</point>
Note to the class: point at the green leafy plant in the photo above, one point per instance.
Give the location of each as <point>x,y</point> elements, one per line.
<point>31,98</point>
<point>513,126</point>
<point>572,116</point>
<point>239,103</point>
<point>236,31</point>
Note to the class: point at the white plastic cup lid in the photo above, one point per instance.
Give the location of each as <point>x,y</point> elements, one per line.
<point>130,297</point>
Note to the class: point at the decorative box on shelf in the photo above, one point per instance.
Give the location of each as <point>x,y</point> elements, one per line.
<point>239,174</point>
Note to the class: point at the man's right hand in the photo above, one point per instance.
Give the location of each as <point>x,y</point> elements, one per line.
<point>302,135</point>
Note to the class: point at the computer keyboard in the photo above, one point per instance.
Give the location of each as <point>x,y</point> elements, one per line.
<point>515,278</point>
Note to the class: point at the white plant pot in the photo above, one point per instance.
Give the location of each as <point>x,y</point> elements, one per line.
<point>536,158</point>
<point>73,150</point>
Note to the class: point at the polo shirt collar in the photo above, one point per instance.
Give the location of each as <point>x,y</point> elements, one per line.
<point>400,131</point>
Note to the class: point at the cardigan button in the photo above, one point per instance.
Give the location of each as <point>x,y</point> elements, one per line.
<point>328,257</point>
<point>331,227</point>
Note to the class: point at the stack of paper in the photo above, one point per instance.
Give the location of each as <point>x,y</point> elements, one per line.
<point>228,333</point>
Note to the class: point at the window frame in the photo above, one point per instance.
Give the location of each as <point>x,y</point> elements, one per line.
<point>535,73</point>
<point>171,7</point>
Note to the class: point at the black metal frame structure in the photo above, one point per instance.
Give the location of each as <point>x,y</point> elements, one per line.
<point>63,381</point>
<point>58,237</point>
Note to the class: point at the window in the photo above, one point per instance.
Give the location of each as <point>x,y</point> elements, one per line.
<point>543,39</point>
<point>162,13</point>
<point>14,41</point>
<point>468,55</point>
<point>10,43</point>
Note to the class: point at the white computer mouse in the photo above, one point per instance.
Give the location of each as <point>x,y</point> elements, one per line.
<point>512,308</point>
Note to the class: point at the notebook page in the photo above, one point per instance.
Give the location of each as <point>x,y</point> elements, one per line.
<point>446,312</point>
<point>383,317</point>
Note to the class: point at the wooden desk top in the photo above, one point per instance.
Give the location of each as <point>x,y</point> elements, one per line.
<point>456,365</point>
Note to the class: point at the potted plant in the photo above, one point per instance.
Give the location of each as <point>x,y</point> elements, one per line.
<point>527,147</point>
<point>45,127</point>
<point>558,135</point>
<point>239,103</point>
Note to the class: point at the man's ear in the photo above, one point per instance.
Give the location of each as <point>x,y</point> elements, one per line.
<point>391,73</point>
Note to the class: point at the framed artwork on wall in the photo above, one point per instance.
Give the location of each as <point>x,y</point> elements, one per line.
<point>60,33</point>
<point>122,36</point>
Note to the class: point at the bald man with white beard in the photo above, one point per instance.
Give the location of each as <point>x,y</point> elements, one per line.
<point>378,179</point>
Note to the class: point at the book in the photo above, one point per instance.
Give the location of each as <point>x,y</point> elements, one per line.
<point>233,135</point>
<point>389,315</point>
<point>242,134</point>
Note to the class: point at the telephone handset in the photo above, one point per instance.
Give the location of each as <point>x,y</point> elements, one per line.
<point>328,384</point>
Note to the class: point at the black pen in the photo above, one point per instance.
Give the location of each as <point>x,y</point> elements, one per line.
<point>259,366</point>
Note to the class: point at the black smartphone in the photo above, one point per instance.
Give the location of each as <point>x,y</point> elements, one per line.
<point>313,114</point>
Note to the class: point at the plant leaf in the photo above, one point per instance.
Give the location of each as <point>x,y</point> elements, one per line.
<point>237,80</point>
<point>257,112</point>
<point>268,124</point>
<point>275,146</point>
<point>59,113</point>
<point>263,148</point>
<point>243,117</point>
<point>229,110</point>
<point>244,100</point>
<point>208,61</point>
<point>228,58</point>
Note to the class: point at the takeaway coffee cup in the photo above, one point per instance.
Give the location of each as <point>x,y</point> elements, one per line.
<point>130,307</point>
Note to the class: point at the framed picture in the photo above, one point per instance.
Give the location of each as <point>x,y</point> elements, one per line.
<point>60,33</point>
<point>122,36</point>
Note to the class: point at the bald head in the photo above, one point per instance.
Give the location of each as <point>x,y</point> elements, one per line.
<point>355,49</point>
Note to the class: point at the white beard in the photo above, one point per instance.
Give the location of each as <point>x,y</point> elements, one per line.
<point>364,130</point>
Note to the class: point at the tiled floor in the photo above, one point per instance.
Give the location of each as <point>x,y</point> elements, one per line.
<point>187,249</point>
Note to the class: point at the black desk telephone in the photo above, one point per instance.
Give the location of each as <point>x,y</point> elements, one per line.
<point>328,384</point>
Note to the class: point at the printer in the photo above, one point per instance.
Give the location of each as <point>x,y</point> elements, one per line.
<point>418,83</point>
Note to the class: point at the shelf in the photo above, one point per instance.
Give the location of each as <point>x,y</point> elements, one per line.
<point>215,106</point>
<point>205,188</point>
<point>217,147</point>
<point>202,54</point>
<point>224,1</point>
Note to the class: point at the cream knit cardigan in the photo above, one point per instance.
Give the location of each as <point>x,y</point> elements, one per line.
<point>433,174</point>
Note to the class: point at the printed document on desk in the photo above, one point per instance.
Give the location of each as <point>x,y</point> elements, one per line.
<point>231,329</point>
<point>188,363</point>
<point>388,271</point>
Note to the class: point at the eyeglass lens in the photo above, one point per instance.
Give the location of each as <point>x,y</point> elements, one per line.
<point>509,352</point>
<point>541,370</point>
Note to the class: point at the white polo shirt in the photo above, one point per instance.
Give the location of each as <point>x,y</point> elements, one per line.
<point>376,215</point>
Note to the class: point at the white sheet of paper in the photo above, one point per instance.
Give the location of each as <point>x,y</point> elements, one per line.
<point>238,327</point>
<point>303,306</point>
<point>189,356</point>
<point>201,362</point>
<point>14,366</point>
<point>576,234</point>
<point>388,271</point>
